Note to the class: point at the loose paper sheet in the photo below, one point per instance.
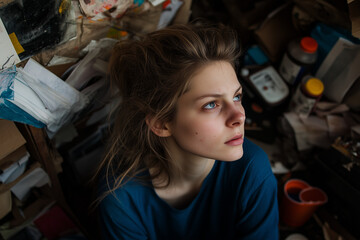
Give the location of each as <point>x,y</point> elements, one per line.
<point>37,178</point>
<point>299,130</point>
<point>8,55</point>
<point>340,69</point>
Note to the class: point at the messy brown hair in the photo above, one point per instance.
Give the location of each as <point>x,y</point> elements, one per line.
<point>151,74</point>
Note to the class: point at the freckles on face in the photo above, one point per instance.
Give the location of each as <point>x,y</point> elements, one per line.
<point>197,130</point>
<point>191,130</point>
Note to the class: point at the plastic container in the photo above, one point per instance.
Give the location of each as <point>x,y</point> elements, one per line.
<point>298,60</point>
<point>266,83</point>
<point>306,96</point>
<point>299,202</point>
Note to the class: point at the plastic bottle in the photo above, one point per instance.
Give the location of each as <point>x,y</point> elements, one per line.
<point>307,94</point>
<point>298,60</point>
<point>266,83</point>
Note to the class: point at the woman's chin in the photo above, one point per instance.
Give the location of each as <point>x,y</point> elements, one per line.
<point>233,157</point>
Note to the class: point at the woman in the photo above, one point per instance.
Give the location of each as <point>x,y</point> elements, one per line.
<point>178,164</point>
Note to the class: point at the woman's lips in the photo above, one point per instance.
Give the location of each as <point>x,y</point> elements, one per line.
<point>235,141</point>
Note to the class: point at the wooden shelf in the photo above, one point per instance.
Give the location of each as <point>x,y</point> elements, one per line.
<point>8,186</point>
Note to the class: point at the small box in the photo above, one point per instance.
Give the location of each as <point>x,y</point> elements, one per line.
<point>10,138</point>
<point>275,32</point>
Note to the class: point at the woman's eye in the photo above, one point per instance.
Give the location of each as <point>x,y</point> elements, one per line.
<point>238,98</point>
<point>210,105</point>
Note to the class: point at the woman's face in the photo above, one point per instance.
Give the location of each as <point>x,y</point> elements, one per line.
<point>210,117</point>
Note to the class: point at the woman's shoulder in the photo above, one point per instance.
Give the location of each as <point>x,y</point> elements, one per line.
<point>253,151</point>
<point>132,190</point>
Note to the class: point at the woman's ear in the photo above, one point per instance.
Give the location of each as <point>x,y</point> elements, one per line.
<point>157,127</point>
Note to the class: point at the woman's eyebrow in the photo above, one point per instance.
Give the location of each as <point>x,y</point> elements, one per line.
<point>238,89</point>
<point>215,95</point>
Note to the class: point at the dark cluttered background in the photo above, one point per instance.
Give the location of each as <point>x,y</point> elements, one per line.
<point>301,79</point>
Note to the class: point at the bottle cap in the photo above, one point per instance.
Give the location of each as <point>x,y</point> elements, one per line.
<point>308,44</point>
<point>314,87</point>
<point>245,72</point>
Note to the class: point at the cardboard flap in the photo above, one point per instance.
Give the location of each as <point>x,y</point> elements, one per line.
<point>10,138</point>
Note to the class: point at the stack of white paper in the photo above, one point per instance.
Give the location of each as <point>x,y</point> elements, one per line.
<point>43,95</point>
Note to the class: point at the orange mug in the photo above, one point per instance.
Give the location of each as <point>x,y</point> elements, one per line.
<point>299,202</point>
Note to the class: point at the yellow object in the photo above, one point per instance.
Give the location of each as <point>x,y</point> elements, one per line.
<point>116,33</point>
<point>15,42</point>
<point>314,86</point>
<point>65,4</point>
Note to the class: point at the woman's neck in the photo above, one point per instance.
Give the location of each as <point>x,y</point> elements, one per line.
<point>187,168</point>
<point>187,173</point>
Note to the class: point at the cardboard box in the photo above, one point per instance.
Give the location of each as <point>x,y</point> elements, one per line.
<point>354,14</point>
<point>276,32</point>
<point>5,203</point>
<point>10,138</point>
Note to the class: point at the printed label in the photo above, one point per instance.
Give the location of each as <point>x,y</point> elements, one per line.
<point>301,104</point>
<point>289,70</point>
<point>270,85</point>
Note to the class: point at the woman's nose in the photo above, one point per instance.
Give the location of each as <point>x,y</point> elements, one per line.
<point>236,116</point>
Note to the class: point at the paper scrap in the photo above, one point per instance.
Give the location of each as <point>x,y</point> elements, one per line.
<point>94,7</point>
<point>156,2</point>
<point>8,55</point>
<point>340,69</point>
<point>169,13</point>
<point>14,170</point>
<point>299,130</point>
<point>37,178</point>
